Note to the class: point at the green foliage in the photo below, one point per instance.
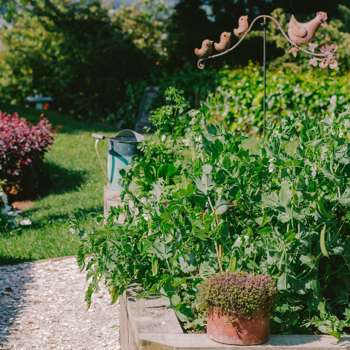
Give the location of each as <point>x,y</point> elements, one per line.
<point>183,35</point>
<point>327,323</point>
<point>31,61</point>
<point>172,117</point>
<point>345,15</point>
<point>238,294</point>
<point>144,22</point>
<point>216,200</point>
<point>234,97</point>
<point>76,53</point>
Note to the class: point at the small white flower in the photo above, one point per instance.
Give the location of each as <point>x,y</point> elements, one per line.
<point>25,222</point>
<point>272,167</point>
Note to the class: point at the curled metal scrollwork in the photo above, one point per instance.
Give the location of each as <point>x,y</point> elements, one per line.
<point>326,57</point>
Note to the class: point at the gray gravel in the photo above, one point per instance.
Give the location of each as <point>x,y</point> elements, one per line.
<point>42,307</point>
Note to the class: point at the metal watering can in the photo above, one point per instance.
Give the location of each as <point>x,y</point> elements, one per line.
<point>121,150</point>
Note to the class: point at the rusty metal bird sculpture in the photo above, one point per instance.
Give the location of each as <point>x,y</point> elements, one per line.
<point>243,26</point>
<point>224,43</point>
<point>303,33</point>
<point>299,36</point>
<point>205,50</point>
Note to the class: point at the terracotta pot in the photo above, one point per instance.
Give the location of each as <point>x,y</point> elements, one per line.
<point>240,331</point>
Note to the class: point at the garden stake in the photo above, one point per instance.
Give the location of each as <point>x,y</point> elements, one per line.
<point>264,70</point>
<point>325,57</point>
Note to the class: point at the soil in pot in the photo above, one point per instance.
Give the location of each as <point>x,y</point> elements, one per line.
<point>241,331</point>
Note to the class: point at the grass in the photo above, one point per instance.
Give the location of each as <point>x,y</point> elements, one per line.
<point>74,191</point>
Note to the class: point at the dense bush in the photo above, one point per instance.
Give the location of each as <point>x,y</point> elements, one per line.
<point>144,22</point>
<point>74,52</point>
<point>22,148</point>
<point>214,200</point>
<point>239,97</point>
<point>235,96</point>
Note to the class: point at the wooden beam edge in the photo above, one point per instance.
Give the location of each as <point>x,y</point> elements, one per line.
<point>176,339</point>
<point>202,342</point>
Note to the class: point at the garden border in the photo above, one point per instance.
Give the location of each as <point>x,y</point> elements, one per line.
<point>149,324</point>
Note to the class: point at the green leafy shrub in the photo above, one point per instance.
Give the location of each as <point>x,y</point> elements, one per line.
<point>172,117</point>
<point>215,200</point>
<point>234,97</point>
<point>145,22</point>
<point>238,294</point>
<point>31,61</point>
<point>239,98</point>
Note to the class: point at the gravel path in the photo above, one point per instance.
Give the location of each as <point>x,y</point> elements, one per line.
<point>42,307</point>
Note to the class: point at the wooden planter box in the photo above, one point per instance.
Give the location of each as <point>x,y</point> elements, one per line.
<point>151,325</point>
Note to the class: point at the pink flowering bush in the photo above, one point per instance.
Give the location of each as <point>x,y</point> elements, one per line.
<point>22,149</point>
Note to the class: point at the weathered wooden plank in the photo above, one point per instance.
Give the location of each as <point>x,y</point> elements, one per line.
<point>123,324</point>
<point>202,342</point>
<point>152,325</point>
<point>145,316</point>
<point>153,316</point>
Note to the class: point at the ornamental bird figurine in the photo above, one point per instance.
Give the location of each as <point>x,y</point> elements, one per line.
<point>303,33</point>
<point>224,43</point>
<point>243,26</point>
<point>206,49</point>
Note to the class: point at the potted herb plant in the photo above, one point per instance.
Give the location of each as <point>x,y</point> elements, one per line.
<point>238,306</point>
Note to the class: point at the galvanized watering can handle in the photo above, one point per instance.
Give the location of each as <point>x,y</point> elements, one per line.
<point>98,138</point>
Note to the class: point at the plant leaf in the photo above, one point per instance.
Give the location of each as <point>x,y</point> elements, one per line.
<point>282,282</point>
<point>323,242</point>
<point>285,194</point>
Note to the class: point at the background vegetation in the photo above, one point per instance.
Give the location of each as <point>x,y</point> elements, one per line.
<point>89,56</point>
<point>217,187</point>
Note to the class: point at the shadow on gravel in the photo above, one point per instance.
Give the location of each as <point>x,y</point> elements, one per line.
<point>13,281</point>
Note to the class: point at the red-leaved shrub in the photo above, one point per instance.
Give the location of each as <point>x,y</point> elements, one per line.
<point>22,148</point>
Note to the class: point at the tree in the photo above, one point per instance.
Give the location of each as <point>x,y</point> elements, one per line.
<point>88,67</point>
<point>189,26</point>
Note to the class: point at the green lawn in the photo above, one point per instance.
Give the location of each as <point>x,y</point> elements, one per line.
<point>74,189</point>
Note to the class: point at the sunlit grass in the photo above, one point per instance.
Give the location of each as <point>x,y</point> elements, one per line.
<point>73,190</point>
